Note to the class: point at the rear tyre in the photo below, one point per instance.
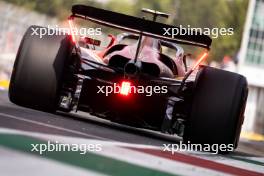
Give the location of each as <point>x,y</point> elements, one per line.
<point>38,70</point>
<point>218,106</point>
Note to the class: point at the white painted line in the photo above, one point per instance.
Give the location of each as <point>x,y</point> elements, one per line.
<point>51,126</point>
<point>77,140</point>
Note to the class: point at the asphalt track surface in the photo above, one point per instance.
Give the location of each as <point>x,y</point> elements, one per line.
<point>83,127</point>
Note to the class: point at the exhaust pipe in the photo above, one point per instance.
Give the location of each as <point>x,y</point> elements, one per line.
<point>132,69</point>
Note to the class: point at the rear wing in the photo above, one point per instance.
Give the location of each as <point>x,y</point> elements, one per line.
<point>138,25</point>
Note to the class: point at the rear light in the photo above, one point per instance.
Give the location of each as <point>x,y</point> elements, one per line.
<point>72,28</point>
<point>125,88</point>
<point>198,62</point>
<point>201,59</point>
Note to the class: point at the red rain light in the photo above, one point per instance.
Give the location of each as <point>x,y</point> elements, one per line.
<point>200,61</point>
<point>125,88</point>
<point>71,28</point>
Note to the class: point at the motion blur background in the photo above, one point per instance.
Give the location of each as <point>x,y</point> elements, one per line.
<point>242,52</point>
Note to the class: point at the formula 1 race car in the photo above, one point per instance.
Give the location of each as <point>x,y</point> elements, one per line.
<point>131,80</point>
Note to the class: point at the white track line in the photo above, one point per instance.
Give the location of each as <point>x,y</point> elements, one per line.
<point>77,140</point>
<point>51,126</point>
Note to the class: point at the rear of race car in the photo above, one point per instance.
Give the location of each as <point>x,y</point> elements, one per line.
<point>49,75</point>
